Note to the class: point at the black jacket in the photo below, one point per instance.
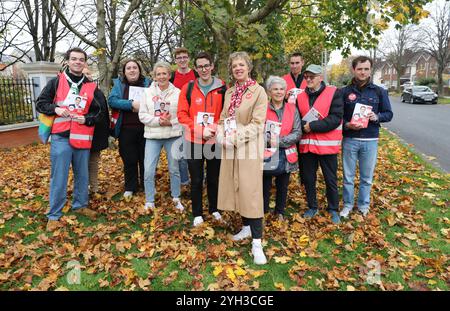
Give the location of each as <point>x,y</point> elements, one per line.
<point>97,115</point>
<point>335,114</point>
<point>101,132</point>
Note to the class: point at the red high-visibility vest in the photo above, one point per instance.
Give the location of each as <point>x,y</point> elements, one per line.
<point>287,124</point>
<point>291,85</point>
<point>320,143</point>
<point>80,134</point>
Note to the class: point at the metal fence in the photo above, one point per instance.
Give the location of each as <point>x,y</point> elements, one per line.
<point>17,101</point>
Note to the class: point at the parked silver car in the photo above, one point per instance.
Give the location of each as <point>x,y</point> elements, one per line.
<point>419,94</point>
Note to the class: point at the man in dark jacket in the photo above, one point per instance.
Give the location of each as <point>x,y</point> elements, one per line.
<point>62,152</point>
<point>321,111</point>
<point>100,140</point>
<point>361,144</point>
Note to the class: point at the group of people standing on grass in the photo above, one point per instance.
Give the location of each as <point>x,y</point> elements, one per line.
<point>204,121</point>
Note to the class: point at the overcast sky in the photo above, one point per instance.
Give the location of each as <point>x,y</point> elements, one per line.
<point>336,57</point>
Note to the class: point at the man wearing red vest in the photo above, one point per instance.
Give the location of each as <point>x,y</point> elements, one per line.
<point>71,135</point>
<point>294,80</point>
<point>321,110</point>
<point>199,100</point>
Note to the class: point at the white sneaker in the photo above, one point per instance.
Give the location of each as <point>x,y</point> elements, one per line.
<point>149,205</point>
<point>243,234</point>
<point>345,212</point>
<point>364,212</point>
<point>258,255</point>
<point>217,216</point>
<point>197,221</point>
<point>127,195</point>
<point>178,204</point>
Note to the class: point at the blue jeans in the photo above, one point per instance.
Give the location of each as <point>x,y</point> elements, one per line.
<point>182,162</point>
<point>364,152</point>
<point>61,156</point>
<point>184,171</point>
<point>152,154</point>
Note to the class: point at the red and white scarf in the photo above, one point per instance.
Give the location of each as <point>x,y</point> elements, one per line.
<point>236,97</point>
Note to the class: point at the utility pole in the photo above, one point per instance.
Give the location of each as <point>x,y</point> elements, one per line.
<point>373,55</point>
<point>324,65</point>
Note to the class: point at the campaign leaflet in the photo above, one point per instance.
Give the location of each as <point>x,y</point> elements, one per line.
<point>312,115</point>
<point>229,126</point>
<point>75,104</point>
<point>205,118</point>
<point>135,93</point>
<point>360,115</point>
<point>161,108</point>
<point>271,137</point>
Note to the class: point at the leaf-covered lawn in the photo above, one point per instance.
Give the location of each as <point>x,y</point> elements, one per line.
<point>403,244</point>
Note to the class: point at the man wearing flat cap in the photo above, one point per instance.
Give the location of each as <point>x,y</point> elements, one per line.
<point>321,109</point>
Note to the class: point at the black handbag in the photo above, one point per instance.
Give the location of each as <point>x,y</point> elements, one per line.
<point>276,164</point>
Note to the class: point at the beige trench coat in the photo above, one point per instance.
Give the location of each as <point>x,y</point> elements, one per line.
<point>241,168</point>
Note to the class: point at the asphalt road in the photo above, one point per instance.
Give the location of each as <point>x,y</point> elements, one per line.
<point>426,127</point>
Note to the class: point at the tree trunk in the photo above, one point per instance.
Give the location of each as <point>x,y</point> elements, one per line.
<point>182,22</point>
<point>103,69</point>
<point>398,83</point>
<point>440,82</point>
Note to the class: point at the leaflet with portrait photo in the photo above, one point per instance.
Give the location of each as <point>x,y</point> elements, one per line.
<point>205,118</point>
<point>229,126</point>
<point>360,115</point>
<point>74,103</point>
<point>272,135</point>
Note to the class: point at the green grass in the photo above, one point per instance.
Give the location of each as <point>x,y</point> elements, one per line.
<point>412,250</point>
<point>444,101</point>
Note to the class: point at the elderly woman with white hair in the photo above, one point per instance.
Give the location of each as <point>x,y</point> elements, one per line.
<point>284,160</point>
<point>161,130</point>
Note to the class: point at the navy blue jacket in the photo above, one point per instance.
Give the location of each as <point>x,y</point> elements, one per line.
<point>371,95</point>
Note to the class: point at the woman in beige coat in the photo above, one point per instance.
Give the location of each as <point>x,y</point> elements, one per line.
<point>240,180</point>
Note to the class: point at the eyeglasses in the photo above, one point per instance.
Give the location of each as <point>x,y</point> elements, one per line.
<point>204,67</point>
<point>310,77</point>
<point>181,57</point>
<point>295,63</point>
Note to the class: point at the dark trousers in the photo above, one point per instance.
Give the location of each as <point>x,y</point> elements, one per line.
<point>256,226</point>
<point>281,183</point>
<point>196,162</point>
<point>308,171</point>
<point>132,150</point>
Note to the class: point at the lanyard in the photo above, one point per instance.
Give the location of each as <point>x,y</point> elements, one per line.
<point>74,86</point>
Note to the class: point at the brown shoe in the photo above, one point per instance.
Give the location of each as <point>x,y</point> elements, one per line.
<point>87,212</point>
<point>52,225</point>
